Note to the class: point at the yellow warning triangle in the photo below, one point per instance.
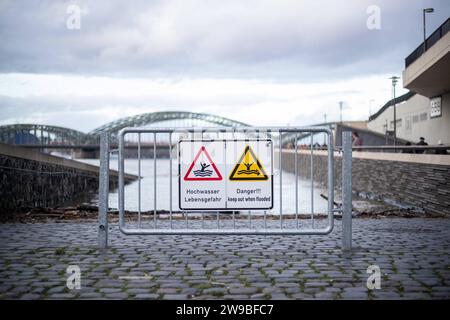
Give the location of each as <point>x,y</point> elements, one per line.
<point>248,167</point>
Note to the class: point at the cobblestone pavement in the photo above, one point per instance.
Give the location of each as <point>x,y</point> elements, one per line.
<point>413,255</point>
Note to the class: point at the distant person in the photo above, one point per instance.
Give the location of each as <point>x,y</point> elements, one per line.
<point>421,143</point>
<point>357,141</point>
<point>440,151</point>
<point>408,150</point>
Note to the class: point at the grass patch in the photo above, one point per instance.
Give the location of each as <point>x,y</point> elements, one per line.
<point>217,294</point>
<point>188,271</point>
<point>60,251</point>
<point>209,274</point>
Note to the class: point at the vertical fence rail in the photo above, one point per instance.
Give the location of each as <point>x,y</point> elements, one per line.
<point>280,172</point>
<point>170,180</point>
<point>154,180</point>
<point>312,180</point>
<point>103,192</point>
<point>139,179</point>
<point>347,190</point>
<point>296,178</point>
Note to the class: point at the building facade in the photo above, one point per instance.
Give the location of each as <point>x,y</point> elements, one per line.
<point>425,110</point>
<point>415,118</point>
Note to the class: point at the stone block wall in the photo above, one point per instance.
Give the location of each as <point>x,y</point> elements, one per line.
<point>29,183</point>
<point>423,185</point>
<point>32,179</point>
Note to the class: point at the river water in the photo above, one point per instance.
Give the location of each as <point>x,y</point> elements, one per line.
<point>163,188</point>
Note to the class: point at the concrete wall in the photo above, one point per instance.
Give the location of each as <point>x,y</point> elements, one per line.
<point>419,180</point>
<point>29,179</point>
<point>415,122</point>
<point>429,75</point>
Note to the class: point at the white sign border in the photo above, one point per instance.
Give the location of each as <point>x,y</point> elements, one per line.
<point>225,176</point>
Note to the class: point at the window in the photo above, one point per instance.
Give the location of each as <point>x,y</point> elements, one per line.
<point>408,124</point>
<point>435,105</point>
<point>415,118</point>
<point>399,123</point>
<point>423,116</point>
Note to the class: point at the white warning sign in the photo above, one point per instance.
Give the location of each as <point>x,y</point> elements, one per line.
<point>225,174</point>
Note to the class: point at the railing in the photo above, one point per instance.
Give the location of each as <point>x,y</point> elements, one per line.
<point>429,42</point>
<point>222,221</point>
<point>432,149</point>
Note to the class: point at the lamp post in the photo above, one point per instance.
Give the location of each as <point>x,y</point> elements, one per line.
<point>425,11</point>
<point>370,106</point>
<point>394,83</point>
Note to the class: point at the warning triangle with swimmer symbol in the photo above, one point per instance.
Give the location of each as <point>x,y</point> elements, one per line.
<point>203,168</point>
<point>248,168</point>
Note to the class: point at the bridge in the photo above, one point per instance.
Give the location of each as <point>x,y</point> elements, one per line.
<point>48,137</point>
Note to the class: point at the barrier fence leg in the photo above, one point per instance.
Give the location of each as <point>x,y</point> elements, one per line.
<point>347,190</point>
<point>103,192</point>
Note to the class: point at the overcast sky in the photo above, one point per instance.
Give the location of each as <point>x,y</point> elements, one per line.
<point>256,61</point>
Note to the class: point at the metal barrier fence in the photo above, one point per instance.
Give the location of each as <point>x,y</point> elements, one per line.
<point>163,219</point>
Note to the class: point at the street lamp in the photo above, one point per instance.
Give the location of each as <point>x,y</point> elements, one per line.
<point>394,83</point>
<point>425,11</point>
<point>370,106</point>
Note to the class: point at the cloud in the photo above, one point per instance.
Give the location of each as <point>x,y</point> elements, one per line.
<point>263,62</point>
<point>85,103</point>
<point>282,40</point>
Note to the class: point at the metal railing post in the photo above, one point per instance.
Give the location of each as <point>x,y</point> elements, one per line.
<point>347,190</point>
<point>103,192</point>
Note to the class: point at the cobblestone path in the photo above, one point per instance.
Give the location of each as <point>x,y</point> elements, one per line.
<point>413,256</point>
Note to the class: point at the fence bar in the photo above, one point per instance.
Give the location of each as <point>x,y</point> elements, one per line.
<point>203,214</point>
<point>154,177</point>
<point>281,179</point>
<point>312,180</point>
<point>234,155</point>
<point>296,179</point>
<point>139,179</point>
<point>170,179</point>
<point>346,190</point>
<point>103,192</point>
<point>265,219</point>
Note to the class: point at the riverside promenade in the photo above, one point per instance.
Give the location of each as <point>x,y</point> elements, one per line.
<point>412,254</point>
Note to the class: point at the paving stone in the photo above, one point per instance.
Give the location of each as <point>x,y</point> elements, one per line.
<point>414,264</point>
<point>117,296</point>
<point>147,296</point>
<point>175,296</point>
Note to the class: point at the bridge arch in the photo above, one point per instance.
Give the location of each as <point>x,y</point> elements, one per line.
<point>164,116</point>
<point>40,134</point>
